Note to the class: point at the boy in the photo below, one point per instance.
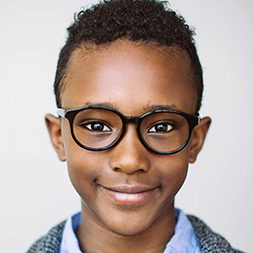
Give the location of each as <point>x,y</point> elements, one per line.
<point>128,88</point>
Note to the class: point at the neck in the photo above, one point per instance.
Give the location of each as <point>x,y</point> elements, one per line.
<point>94,236</point>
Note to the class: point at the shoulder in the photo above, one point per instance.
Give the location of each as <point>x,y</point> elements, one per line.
<point>208,240</point>
<point>50,242</point>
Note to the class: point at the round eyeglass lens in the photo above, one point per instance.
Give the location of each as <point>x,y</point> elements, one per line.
<point>97,128</point>
<point>164,131</point>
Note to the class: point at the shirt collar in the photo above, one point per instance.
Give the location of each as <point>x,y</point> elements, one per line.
<point>69,243</point>
<point>183,241</point>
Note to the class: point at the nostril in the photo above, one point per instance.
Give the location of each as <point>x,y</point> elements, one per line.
<point>129,170</point>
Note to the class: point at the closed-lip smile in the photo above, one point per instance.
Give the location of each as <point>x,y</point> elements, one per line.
<point>129,195</point>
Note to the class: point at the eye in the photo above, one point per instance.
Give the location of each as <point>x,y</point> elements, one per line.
<point>161,127</point>
<point>97,127</point>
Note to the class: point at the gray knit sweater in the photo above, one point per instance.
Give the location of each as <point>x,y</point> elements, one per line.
<point>209,241</point>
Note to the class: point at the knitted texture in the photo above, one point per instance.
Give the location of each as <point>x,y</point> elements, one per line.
<point>49,243</point>
<point>209,241</point>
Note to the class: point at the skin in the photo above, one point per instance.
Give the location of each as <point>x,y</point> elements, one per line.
<point>133,80</point>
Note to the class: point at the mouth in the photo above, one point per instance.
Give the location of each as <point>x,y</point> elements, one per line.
<point>129,195</point>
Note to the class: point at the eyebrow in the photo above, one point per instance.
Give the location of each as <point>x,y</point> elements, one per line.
<point>145,108</point>
<point>105,104</point>
<point>160,107</point>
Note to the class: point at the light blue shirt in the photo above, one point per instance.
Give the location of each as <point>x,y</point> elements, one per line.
<point>183,241</point>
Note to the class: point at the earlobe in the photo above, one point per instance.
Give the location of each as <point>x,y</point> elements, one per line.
<point>198,138</point>
<point>54,129</point>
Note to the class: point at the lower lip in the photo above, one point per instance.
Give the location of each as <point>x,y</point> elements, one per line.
<point>128,198</point>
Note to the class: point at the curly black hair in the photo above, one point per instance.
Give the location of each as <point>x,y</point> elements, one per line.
<point>147,21</point>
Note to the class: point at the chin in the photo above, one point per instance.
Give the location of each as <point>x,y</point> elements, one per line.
<point>129,225</point>
<point>129,230</point>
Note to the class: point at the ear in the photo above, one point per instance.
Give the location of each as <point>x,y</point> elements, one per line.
<point>54,129</point>
<point>198,138</point>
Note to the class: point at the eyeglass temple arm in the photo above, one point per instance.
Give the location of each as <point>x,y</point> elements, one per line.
<point>61,112</point>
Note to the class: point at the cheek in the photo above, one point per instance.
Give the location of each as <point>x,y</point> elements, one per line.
<point>82,164</point>
<point>84,167</point>
<point>84,170</point>
<point>173,172</point>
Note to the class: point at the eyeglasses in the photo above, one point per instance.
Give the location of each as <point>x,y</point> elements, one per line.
<point>99,128</point>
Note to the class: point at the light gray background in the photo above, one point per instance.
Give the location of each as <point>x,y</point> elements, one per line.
<point>34,187</point>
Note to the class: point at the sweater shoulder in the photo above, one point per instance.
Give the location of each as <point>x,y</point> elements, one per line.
<point>208,240</point>
<point>49,243</point>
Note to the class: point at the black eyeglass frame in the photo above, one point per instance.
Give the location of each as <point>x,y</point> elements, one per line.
<point>192,120</point>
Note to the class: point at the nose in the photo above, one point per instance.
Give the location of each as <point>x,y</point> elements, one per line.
<point>129,155</point>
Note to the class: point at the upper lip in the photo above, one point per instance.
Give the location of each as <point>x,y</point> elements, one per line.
<point>130,188</point>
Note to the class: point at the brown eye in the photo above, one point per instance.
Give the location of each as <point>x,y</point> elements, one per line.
<point>160,128</point>
<point>97,127</point>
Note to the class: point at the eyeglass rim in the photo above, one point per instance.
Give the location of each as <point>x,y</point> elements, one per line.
<point>70,114</point>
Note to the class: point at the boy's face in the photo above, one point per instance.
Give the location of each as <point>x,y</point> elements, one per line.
<point>127,188</point>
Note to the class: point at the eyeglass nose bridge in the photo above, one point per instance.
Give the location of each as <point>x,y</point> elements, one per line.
<point>130,119</point>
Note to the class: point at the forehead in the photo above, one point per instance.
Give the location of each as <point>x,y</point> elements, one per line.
<point>130,77</point>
